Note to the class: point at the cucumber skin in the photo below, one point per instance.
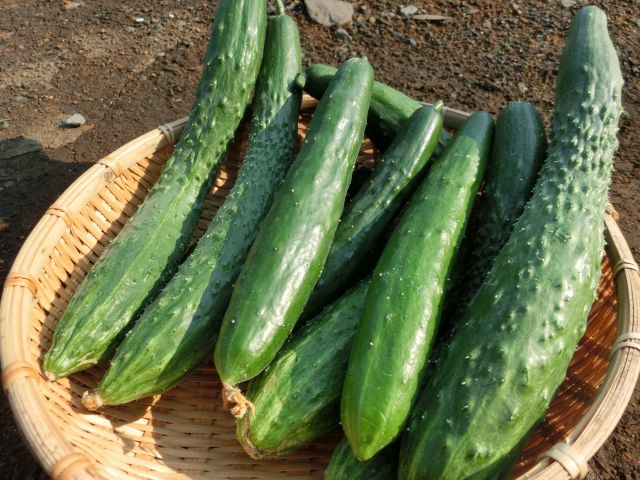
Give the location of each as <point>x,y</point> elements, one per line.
<point>146,253</point>
<point>287,257</point>
<point>388,111</point>
<point>404,299</point>
<point>370,213</point>
<point>519,150</point>
<point>297,397</point>
<point>345,466</point>
<point>553,255</point>
<point>177,332</point>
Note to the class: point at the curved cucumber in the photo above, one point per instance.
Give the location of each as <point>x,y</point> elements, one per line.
<point>368,216</point>
<point>286,259</point>
<point>177,332</point>
<point>297,397</point>
<point>388,111</point>
<point>403,303</point>
<point>519,149</point>
<point>146,253</point>
<point>345,466</point>
<point>492,389</point>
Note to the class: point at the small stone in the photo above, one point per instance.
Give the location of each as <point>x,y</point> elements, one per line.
<point>472,12</point>
<point>139,20</point>
<point>454,96</point>
<point>413,42</point>
<point>363,8</point>
<point>486,24</point>
<point>407,12</point>
<point>567,3</point>
<point>342,35</point>
<point>522,87</point>
<point>329,12</point>
<point>129,30</point>
<point>74,120</point>
<point>489,56</point>
<point>372,19</point>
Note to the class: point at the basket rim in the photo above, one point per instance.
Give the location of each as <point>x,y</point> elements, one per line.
<point>60,459</point>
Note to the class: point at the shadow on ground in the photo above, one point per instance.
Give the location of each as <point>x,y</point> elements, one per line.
<point>30,181</point>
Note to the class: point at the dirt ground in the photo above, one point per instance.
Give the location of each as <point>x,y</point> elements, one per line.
<point>128,67</point>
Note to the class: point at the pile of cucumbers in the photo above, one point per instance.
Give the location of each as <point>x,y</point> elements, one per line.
<point>437,345</point>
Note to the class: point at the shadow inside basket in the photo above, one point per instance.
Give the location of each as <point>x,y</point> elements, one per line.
<point>186,429</point>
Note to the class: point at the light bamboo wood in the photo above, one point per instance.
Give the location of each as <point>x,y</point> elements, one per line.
<point>184,433</point>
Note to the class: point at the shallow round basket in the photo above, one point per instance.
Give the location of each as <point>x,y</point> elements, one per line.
<point>185,433</point>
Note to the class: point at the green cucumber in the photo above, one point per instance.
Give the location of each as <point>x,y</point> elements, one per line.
<point>492,388</point>
<point>369,214</point>
<point>519,149</point>
<point>177,332</point>
<point>343,465</point>
<point>287,257</point>
<point>297,397</point>
<point>146,253</point>
<point>388,111</point>
<point>404,300</point>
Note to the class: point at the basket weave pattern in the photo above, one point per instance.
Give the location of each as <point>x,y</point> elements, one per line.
<point>185,433</point>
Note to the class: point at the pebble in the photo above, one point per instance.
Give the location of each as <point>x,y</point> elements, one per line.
<point>413,42</point>
<point>75,120</point>
<point>362,8</point>
<point>342,35</point>
<point>139,20</point>
<point>522,87</point>
<point>372,19</point>
<point>567,3</point>
<point>486,24</point>
<point>129,30</point>
<point>408,11</point>
<point>472,12</point>
<point>329,12</point>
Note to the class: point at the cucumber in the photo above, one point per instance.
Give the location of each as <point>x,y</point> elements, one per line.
<point>369,214</point>
<point>177,332</point>
<point>492,388</point>
<point>146,253</point>
<point>404,299</point>
<point>286,259</point>
<point>297,397</point>
<point>388,111</point>
<point>345,466</point>
<point>519,149</point>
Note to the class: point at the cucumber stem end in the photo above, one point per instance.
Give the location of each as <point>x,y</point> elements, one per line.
<point>92,400</point>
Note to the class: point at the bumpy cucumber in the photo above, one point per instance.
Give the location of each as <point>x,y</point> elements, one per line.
<point>287,257</point>
<point>388,111</point>
<point>369,214</point>
<point>404,299</point>
<point>297,397</point>
<point>177,332</point>
<point>519,149</point>
<point>146,253</point>
<point>345,466</point>
<point>493,387</point>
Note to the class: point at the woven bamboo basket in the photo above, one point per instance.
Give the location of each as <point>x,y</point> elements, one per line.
<point>185,433</point>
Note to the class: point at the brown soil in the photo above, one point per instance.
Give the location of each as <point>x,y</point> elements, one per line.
<point>62,57</point>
